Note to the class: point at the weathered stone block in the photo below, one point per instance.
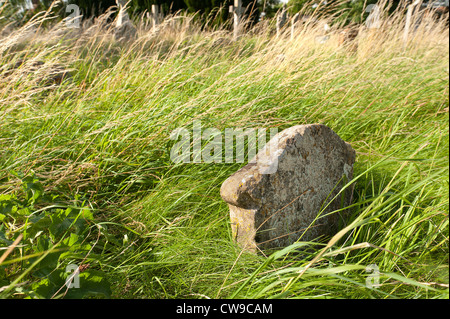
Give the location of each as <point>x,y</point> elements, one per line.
<point>287,192</point>
<point>348,39</point>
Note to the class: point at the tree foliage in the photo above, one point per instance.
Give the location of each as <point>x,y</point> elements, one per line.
<point>345,11</point>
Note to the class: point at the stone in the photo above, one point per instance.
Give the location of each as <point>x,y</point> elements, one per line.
<point>124,29</point>
<point>276,199</point>
<point>281,20</point>
<point>348,39</point>
<point>373,21</point>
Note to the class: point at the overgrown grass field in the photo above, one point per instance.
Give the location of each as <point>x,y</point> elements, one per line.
<point>86,176</point>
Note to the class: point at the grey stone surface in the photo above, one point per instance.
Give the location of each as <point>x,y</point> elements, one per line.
<point>124,29</point>
<point>276,199</point>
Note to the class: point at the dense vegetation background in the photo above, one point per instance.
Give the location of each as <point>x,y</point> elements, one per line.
<point>353,11</point>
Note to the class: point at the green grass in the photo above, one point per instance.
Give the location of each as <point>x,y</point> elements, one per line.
<point>100,143</point>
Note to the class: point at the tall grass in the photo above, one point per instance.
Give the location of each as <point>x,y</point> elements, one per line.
<point>102,138</point>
